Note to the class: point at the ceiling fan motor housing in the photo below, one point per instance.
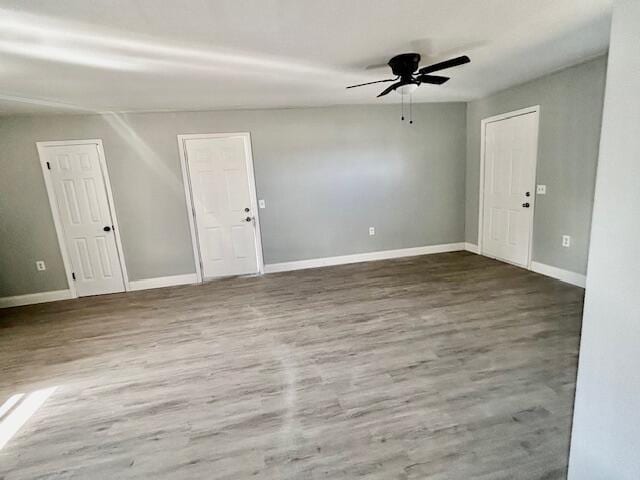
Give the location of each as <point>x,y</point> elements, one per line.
<point>404,65</point>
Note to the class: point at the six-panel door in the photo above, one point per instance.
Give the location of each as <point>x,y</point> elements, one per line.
<point>83,209</point>
<point>509,187</point>
<point>222,202</point>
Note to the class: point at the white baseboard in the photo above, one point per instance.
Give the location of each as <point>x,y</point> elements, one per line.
<point>361,257</point>
<point>32,298</point>
<point>471,247</point>
<point>56,295</point>
<point>159,282</point>
<point>567,276</point>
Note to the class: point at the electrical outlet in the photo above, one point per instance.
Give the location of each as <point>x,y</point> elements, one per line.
<point>372,230</point>
<point>541,189</point>
<point>566,241</point>
<point>261,204</point>
<point>40,266</point>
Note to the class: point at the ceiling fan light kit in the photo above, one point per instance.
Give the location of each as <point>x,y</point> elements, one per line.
<point>409,76</point>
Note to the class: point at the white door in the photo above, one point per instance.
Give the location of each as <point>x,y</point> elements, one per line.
<point>83,209</point>
<point>222,202</point>
<point>511,146</point>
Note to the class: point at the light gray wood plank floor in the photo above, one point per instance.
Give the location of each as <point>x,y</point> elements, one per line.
<point>449,366</point>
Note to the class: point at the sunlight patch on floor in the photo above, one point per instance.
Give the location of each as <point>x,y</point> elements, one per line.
<point>14,413</point>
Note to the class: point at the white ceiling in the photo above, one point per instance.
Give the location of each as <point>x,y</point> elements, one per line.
<point>151,55</point>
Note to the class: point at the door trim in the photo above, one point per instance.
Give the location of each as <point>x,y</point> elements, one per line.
<point>186,177</point>
<point>53,205</point>
<point>483,130</point>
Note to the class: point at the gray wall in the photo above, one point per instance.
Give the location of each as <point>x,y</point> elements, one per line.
<point>570,118</point>
<point>327,174</point>
<point>606,427</point>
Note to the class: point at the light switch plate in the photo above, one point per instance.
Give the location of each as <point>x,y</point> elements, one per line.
<point>541,189</point>
<point>372,230</point>
<point>40,266</point>
<point>261,203</point>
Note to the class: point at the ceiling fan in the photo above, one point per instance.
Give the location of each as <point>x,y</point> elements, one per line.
<point>404,67</point>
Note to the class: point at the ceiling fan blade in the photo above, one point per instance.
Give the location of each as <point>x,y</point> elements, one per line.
<point>453,62</point>
<point>432,79</point>
<point>391,88</point>
<point>370,83</point>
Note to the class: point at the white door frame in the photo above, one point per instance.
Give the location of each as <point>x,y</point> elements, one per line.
<point>483,130</point>
<point>186,177</point>
<point>53,204</point>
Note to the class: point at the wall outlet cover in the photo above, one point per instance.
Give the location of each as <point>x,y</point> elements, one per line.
<point>40,266</point>
<point>372,230</point>
<point>541,189</point>
<point>261,203</point>
<point>566,241</point>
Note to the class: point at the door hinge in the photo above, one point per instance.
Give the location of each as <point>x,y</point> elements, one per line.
<point>48,165</point>
<point>73,275</point>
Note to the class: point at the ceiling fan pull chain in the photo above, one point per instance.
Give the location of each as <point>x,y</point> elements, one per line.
<point>410,109</point>
<point>402,99</point>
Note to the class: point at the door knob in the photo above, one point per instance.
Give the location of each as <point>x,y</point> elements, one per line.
<point>247,209</point>
<point>526,205</point>
<point>107,229</point>
<point>248,219</point>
